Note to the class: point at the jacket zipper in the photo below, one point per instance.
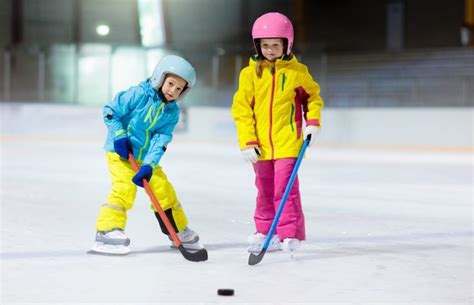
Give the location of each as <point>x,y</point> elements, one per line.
<point>147,131</point>
<point>273,69</point>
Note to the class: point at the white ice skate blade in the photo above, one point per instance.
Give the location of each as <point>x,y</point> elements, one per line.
<point>192,247</point>
<point>106,249</point>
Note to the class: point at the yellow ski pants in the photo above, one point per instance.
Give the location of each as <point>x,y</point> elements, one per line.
<point>113,213</point>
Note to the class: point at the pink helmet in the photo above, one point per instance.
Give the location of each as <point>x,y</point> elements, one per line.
<point>273,25</point>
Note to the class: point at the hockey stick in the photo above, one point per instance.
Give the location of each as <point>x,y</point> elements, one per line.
<point>198,256</point>
<point>255,259</point>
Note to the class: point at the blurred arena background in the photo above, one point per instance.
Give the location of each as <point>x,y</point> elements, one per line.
<point>393,72</point>
<point>388,187</point>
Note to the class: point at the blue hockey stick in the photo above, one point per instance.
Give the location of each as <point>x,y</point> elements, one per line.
<point>255,259</point>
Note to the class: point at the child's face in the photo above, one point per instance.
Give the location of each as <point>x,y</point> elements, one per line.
<point>173,86</point>
<point>272,49</point>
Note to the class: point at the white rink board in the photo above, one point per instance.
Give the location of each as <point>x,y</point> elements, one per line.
<point>387,127</point>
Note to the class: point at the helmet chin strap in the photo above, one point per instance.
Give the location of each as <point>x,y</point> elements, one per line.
<point>162,96</point>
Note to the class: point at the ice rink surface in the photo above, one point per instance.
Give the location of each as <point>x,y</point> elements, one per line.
<point>383,227</point>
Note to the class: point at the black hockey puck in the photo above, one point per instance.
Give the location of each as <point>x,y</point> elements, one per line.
<point>225,292</point>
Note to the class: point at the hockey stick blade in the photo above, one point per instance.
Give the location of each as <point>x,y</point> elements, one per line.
<point>255,259</point>
<point>198,256</point>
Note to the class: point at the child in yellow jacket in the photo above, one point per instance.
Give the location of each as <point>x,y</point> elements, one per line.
<point>275,94</point>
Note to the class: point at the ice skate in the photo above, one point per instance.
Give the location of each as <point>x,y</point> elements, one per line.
<point>114,242</point>
<point>290,245</point>
<point>189,239</point>
<point>256,243</point>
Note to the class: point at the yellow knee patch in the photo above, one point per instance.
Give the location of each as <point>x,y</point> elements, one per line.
<point>110,218</point>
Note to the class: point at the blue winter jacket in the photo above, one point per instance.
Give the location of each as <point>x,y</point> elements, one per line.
<point>141,114</point>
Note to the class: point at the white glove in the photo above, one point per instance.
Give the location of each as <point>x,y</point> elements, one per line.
<point>312,130</point>
<point>251,154</point>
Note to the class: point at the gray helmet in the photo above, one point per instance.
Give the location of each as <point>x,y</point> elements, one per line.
<point>175,65</point>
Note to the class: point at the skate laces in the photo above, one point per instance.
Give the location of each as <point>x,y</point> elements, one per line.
<point>113,237</point>
<point>290,244</point>
<point>256,242</point>
<point>115,234</point>
<point>188,236</point>
<point>256,239</point>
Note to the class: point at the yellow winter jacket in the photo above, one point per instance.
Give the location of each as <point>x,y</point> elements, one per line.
<point>269,111</point>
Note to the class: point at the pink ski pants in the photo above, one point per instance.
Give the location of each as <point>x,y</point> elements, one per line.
<point>271,178</point>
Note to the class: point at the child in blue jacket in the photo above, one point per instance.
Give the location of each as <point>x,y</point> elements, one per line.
<point>141,121</point>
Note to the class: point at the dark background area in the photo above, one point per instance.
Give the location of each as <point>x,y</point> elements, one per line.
<point>362,52</point>
<point>335,25</point>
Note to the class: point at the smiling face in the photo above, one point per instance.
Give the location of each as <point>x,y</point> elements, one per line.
<point>172,87</point>
<point>272,49</point>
